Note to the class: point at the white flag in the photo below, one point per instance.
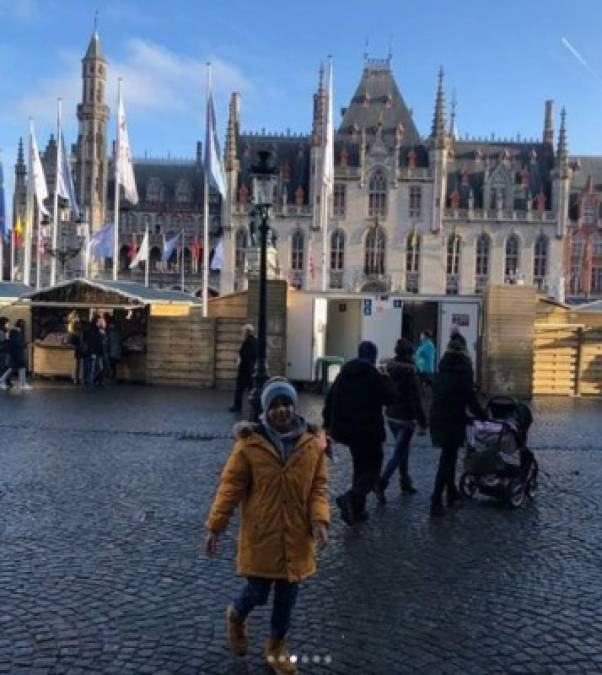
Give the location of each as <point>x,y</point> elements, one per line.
<point>213,160</point>
<point>142,255</point>
<point>65,187</point>
<point>328,148</point>
<point>37,181</point>
<point>217,262</point>
<point>125,165</point>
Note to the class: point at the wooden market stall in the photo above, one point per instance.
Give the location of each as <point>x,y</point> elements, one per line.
<point>129,305</point>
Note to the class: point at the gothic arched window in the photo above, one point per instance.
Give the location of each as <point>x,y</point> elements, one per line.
<point>297,251</point>
<point>374,257</point>
<point>540,262</point>
<point>154,190</point>
<point>482,262</point>
<point>512,262</point>
<point>183,192</point>
<point>377,194</point>
<point>337,250</point>
<point>412,262</point>
<point>240,251</point>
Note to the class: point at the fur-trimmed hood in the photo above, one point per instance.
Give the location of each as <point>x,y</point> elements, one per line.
<point>244,429</point>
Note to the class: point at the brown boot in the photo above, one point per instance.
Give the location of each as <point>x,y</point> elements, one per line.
<point>236,632</point>
<point>278,658</point>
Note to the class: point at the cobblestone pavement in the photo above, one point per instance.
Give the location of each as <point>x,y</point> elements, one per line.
<point>102,497</point>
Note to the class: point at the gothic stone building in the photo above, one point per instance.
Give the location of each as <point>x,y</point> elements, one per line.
<point>431,215</point>
<point>170,195</point>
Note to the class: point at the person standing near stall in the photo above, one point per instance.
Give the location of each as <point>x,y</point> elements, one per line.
<point>17,359</point>
<point>425,358</point>
<point>246,364</point>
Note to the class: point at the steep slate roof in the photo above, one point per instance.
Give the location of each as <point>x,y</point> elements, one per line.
<point>94,50</point>
<point>170,173</point>
<point>287,151</point>
<point>377,99</point>
<point>464,157</point>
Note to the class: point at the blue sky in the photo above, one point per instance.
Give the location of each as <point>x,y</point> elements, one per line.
<point>503,59</point>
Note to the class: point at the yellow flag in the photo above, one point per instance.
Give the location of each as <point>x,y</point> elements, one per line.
<point>19,227</point>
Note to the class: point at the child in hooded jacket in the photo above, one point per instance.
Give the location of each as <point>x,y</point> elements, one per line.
<point>277,472</point>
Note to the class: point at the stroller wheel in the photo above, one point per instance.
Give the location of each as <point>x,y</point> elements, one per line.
<point>515,493</point>
<point>532,480</point>
<point>468,485</point>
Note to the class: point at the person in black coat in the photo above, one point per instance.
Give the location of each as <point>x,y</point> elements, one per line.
<point>246,366</point>
<point>353,415</point>
<point>453,393</point>
<point>402,416</point>
<point>93,351</point>
<point>17,359</point>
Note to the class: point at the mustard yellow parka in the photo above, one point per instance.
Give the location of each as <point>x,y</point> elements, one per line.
<point>278,503</point>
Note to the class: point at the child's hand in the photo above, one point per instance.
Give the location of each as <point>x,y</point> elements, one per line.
<point>320,532</point>
<point>211,543</point>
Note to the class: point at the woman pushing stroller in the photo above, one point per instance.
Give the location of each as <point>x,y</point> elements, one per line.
<point>453,393</point>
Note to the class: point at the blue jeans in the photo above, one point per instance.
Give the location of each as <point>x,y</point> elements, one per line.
<point>257,592</point>
<point>91,370</point>
<point>403,431</point>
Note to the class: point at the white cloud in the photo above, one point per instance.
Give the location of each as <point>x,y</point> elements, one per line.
<point>156,80</point>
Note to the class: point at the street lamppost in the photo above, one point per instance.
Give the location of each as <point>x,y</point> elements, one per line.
<point>64,252</point>
<point>264,179</point>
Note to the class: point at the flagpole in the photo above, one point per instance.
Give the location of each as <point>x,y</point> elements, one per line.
<point>87,240</point>
<point>206,210</point>
<point>55,213</point>
<point>182,261</point>
<point>13,245</point>
<point>117,187</point>
<point>27,234</point>
<point>146,262</point>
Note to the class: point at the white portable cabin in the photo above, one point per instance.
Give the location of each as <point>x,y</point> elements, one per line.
<point>333,324</point>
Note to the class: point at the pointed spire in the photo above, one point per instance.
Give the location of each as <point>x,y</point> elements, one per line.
<point>232,132</point>
<point>319,102</point>
<point>438,128</point>
<point>94,51</point>
<point>548,125</point>
<point>562,155</point>
<point>453,132</point>
<point>20,155</point>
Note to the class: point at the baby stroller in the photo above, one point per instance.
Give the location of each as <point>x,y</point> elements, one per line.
<point>498,463</point>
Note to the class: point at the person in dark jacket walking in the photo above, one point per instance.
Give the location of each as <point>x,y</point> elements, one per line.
<point>17,360</point>
<point>3,345</point>
<point>93,351</point>
<point>246,365</point>
<point>402,416</point>
<point>353,415</point>
<point>453,393</point>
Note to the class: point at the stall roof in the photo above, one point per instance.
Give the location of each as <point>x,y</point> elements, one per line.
<point>13,290</point>
<point>590,307</point>
<point>129,291</point>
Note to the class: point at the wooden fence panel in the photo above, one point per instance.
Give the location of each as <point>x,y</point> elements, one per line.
<point>227,344</point>
<point>590,378</point>
<point>555,359</point>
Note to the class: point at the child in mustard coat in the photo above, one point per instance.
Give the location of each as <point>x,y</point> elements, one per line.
<point>277,472</point>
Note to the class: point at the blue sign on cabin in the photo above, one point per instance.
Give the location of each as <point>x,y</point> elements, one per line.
<point>367,307</point>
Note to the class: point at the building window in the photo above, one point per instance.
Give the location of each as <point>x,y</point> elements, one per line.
<point>453,265</point>
<point>377,194</point>
<point>482,263</point>
<point>155,258</point>
<point>337,259</point>
<point>154,190</point>
<point>589,208</point>
<point>415,207</point>
<point>575,280</point>
<point>183,192</point>
<point>577,245</point>
<point>374,259</point>
<point>339,199</point>
<point>412,262</point>
<point>597,245</point>
<point>297,259</point>
<point>512,262</point>
<point>297,251</point>
<point>540,263</point>
<point>240,251</point>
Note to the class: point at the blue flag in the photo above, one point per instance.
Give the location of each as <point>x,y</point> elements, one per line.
<point>170,246</point>
<point>213,161</point>
<point>101,242</point>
